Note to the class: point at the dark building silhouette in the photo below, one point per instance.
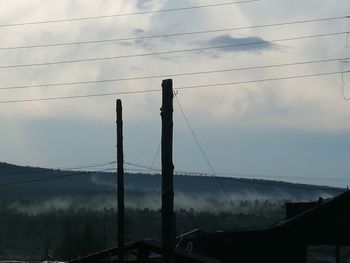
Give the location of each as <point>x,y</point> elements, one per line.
<point>322,224</point>
<point>309,229</point>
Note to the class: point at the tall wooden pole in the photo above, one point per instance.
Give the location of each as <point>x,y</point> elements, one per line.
<point>120,181</point>
<point>168,216</point>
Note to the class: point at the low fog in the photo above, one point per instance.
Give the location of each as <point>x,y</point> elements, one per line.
<point>214,203</point>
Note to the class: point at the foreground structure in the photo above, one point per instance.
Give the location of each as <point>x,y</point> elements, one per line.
<point>311,231</point>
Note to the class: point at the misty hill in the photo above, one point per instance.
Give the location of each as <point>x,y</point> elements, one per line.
<point>37,203</point>
<point>36,181</point>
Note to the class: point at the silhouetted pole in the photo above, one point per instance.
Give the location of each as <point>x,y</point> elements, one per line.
<point>168,222</point>
<point>337,253</point>
<point>120,171</point>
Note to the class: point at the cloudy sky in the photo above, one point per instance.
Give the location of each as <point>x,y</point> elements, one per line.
<point>292,129</point>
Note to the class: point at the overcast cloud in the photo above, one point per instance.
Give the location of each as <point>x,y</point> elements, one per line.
<point>251,128</point>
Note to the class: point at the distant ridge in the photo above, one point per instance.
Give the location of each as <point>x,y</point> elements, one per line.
<point>83,182</point>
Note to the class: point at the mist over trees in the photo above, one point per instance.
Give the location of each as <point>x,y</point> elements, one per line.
<point>71,232</point>
<point>66,214</point>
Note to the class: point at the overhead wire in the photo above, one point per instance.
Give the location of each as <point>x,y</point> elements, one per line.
<point>260,80</point>
<point>342,85</point>
<point>155,156</point>
<point>86,166</point>
<point>145,168</point>
<point>49,178</point>
<point>57,169</point>
<point>254,181</point>
<point>260,42</point>
<point>198,86</point>
<point>136,170</point>
<point>149,169</point>
<point>126,14</point>
<point>194,134</point>
<point>183,173</point>
<point>178,88</point>
<point>146,91</point>
<point>174,75</point>
<point>223,188</point>
<point>83,42</point>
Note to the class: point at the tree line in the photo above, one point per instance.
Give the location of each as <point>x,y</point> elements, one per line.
<point>69,233</point>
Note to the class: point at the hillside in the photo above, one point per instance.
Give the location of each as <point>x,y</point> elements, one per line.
<point>35,181</point>
<point>43,210</point>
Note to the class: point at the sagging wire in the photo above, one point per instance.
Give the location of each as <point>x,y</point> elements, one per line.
<point>343,83</point>
<point>213,173</point>
<point>154,158</point>
<point>342,62</point>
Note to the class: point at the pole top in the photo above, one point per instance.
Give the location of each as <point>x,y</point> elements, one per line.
<point>166,82</point>
<point>167,87</point>
<point>118,103</point>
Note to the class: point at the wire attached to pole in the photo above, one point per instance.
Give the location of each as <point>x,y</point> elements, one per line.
<point>343,83</point>
<point>214,175</point>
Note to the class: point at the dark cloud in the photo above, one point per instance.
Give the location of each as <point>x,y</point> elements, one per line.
<point>139,31</point>
<point>247,44</point>
<point>144,4</point>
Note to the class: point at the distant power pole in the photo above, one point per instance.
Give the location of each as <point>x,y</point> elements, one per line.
<point>120,181</point>
<point>168,216</point>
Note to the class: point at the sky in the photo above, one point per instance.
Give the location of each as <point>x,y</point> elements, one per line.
<point>294,129</point>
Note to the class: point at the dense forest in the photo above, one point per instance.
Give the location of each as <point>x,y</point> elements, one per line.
<point>71,232</point>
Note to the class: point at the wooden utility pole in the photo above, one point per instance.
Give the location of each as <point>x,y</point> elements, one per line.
<point>120,181</point>
<point>168,216</point>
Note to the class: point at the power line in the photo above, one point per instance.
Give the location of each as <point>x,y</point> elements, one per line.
<point>126,14</point>
<point>35,180</point>
<point>173,75</point>
<point>86,166</point>
<point>214,176</point>
<point>179,88</point>
<point>136,170</point>
<point>147,168</point>
<point>245,180</point>
<point>261,80</point>
<point>58,169</point>
<point>254,181</point>
<point>342,85</point>
<point>171,34</point>
<point>144,168</point>
<point>194,136</point>
<point>82,96</point>
<point>262,42</point>
<point>155,156</point>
